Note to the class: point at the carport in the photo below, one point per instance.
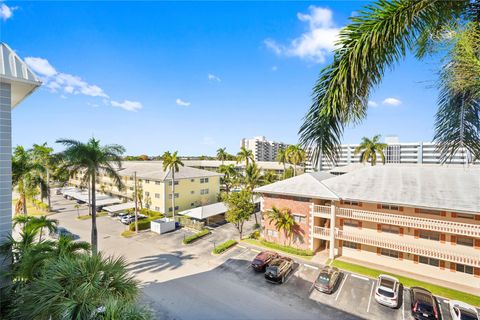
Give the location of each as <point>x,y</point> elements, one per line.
<point>211,213</point>
<point>120,207</point>
<point>82,195</point>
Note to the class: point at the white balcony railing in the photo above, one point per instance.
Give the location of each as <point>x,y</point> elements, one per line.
<point>321,211</point>
<point>411,222</point>
<point>322,233</point>
<point>412,248</point>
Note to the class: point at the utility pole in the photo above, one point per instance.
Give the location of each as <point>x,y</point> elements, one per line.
<point>89,199</point>
<point>136,201</point>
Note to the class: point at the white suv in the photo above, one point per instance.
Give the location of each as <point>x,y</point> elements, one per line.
<point>386,291</point>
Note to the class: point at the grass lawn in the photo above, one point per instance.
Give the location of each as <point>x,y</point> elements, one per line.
<point>409,282</point>
<point>31,210</point>
<point>88,217</point>
<point>127,234</point>
<point>257,243</point>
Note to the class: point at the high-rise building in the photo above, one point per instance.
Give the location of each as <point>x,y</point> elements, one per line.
<point>263,149</point>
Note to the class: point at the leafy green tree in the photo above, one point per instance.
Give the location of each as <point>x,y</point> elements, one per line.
<point>172,162</point>
<point>368,150</point>
<point>282,157</point>
<point>245,155</point>
<point>296,155</point>
<point>269,177</point>
<point>42,154</point>
<point>90,159</point>
<point>43,222</point>
<point>230,176</point>
<point>222,154</point>
<point>288,173</point>
<point>377,38</point>
<point>252,179</point>
<point>240,208</point>
<point>283,221</point>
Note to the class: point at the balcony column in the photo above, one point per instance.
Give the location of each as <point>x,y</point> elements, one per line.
<point>312,219</point>
<point>332,232</point>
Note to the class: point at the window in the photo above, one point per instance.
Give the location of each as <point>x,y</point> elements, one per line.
<point>130,178</point>
<point>147,206</point>
<point>147,193</point>
<point>465,216</point>
<point>300,219</point>
<point>131,188</point>
<point>192,180</point>
<point>170,209</point>
<point>170,196</point>
<point>192,192</point>
<point>170,183</point>
<point>351,223</point>
<point>429,261</point>
<point>465,241</point>
<point>157,195</point>
<point>192,204</point>
<point>203,180</point>
<point>157,182</point>
<point>431,212</point>
<point>390,207</point>
<point>463,268</point>
<point>390,229</point>
<point>157,208</point>
<point>351,245</point>
<point>204,191</point>
<point>429,235</point>
<point>272,233</point>
<point>351,203</point>
<point>147,181</point>
<point>389,253</point>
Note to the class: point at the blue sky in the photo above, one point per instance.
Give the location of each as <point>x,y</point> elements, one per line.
<point>156,76</point>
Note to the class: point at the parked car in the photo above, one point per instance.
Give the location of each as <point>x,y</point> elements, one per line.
<point>278,269</point>
<point>423,304</point>
<point>80,202</point>
<point>127,219</point>
<point>262,259</point>
<point>387,290</point>
<point>120,215</point>
<point>58,192</point>
<point>327,279</point>
<point>61,231</point>
<point>462,311</point>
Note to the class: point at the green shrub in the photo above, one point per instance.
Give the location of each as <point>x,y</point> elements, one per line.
<point>256,226</point>
<point>224,246</point>
<point>196,236</point>
<point>255,235</point>
<point>40,205</point>
<point>287,249</point>
<point>143,224</point>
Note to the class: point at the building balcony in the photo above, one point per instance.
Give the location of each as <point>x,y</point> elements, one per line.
<point>443,226</point>
<point>320,211</point>
<point>321,233</point>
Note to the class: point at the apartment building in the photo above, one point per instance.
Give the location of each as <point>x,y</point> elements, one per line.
<point>263,149</point>
<point>17,82</point>
<point>193,187</point>
<point>214,165</point>
<point>423,219</point>
<point>396,152</point>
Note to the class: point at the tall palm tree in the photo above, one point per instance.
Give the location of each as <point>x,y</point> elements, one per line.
<point>42,154</point>
<point>296,155</point>
<point>230,176</point>
<point>26,176</point>
<point>269,177</point>
<point>245,155</point>
<point>90,159</point>
<point>222,154</point>
<point>282,157</point>
<point>44,222</point>
<point>172,162</point>
<point>369,149</point>
<point>283,221</point>
<point>252,179</point>
<point>377,38</point>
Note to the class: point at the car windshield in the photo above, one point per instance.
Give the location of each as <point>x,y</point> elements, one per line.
<point>424,308</point>
<point>323,278</point>
<point>272,270</point>
<point>386,293</point>
<point>467,315</point>
<point>257,261</point>
<point>387,283</point>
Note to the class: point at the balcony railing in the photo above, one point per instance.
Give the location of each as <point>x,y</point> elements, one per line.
<point>322,233</point>
<point>320,211</point>
<point>412,248</point>
<point>411,222</point>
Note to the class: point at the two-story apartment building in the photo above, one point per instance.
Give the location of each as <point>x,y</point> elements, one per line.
<point>193,187</point>
<point>423,219</point>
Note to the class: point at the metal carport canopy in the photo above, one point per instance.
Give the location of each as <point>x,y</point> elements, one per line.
<point>120,207</point>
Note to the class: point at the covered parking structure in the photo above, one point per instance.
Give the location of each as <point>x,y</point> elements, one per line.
<point>82,195</point>
<point>119,207</point>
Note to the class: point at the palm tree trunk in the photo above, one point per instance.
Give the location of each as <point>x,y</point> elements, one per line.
<point>254,213</point>
<point>24,203</point>
<point>94,217</point>
<point>40,237</point>
<point>48,192</point>
<point>173,194</point>
<point>295,169</point>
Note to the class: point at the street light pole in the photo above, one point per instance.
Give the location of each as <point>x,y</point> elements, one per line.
<point>136,207</point>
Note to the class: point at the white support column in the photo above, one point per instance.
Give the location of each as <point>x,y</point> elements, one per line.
<point>332,232</point>
<point>312,218</point>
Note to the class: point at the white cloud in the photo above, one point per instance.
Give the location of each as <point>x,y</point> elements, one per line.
<point>213,77</point>
<point>372,103</point>
<point>6,12</point>
<point>71,84</point>
<point>182,103</point>
<point>208,141</point>
<point>392,102</point>
<point>315,44</point>
<point>128,105</point>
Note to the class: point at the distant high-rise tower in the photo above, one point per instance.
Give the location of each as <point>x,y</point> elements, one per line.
<point>263,150</point>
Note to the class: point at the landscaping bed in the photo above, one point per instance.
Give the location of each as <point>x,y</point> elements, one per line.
<point>196,236</point>
<point>224,246</point>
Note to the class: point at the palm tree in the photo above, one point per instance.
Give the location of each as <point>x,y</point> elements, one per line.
<point>230,176</point>
<point>296,155</point>
<point>66,246</point>
<point>369,149</point>
<point>269,177</point>
<point>42,154</point>
<point>172,162</point>
<point>90,159</point>
<point>222,154</point>
<point>251,180</point>
<point>282,157</point>
<point>377,38</point>
<point>26,176</point>
<point>245,155</point>
<point>44,222</point>
<point>283,221</point>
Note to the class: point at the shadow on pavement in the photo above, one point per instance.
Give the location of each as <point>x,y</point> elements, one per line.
<point>159,262</point>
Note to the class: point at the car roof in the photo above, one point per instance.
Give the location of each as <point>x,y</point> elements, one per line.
<point>328,270</point>
<point>276,262</point>
<point>463,306</point>
<point>264,254</point>
<point>422,295</point>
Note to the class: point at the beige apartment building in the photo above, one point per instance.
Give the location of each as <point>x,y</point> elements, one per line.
<point>193,187</point>
<point>422,219</point>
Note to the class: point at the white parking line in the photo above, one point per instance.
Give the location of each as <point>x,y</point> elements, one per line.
<point>403,307</point>
<point>240,246</point>
<point>290,275</point>
<point>341,286</point>
<point>360,277</point>
<point>255,250</point>
<point>370,298</point>
<point>310,266</point>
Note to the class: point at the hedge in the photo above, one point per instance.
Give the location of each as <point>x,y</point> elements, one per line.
<point>196,236</point>
<point>143,224</point>
<point>146,212</point>
<point>224,246</point>
<point>287,249</point>
<point>40,205</point>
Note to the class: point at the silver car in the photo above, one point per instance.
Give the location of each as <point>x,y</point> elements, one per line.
<point>387,291</point>
<point>462,311</point>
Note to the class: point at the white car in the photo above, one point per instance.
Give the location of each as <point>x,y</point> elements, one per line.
<point>387,291</point>
<point>462,311</point>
